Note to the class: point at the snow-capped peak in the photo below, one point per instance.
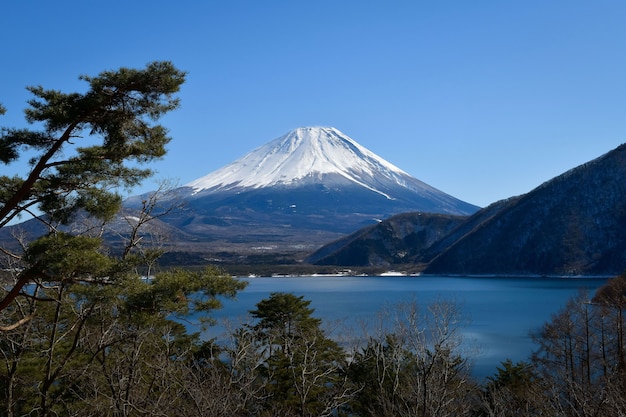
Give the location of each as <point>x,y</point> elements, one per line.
<point>301,153</point>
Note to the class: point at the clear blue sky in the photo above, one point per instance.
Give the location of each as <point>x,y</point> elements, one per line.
<point>481,99</point>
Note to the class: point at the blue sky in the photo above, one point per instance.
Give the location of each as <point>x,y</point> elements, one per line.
<point>481,99</point>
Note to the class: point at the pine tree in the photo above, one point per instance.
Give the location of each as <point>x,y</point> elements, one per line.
<point>89,334</point>
<point>303,367</point>
<point>86,147</point>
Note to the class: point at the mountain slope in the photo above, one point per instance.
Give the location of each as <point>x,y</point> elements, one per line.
<point>570,225</point>
<point>305,188</point>
<point>323,156</point>
<point>295,193</point>
<point>398,239</point>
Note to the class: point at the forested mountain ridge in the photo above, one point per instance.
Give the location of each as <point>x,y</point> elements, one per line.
<point>395,240</point>
<point>570,225</point>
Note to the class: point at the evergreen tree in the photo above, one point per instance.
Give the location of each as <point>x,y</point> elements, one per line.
<point>302,369</point>
<point>283,317</point>
<point>88,145</point>
<point>89,335</point>
<point>515,390</point>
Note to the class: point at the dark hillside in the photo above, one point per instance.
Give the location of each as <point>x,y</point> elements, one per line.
<point>395,240</point>
<point>574,224</point>
<point>466,227</point>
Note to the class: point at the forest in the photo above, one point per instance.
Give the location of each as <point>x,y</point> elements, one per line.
<point>91,330</point>
<point>122,349</point>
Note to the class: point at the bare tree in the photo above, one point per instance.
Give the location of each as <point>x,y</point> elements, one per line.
<point>416,368</point>
<point>580,355</point>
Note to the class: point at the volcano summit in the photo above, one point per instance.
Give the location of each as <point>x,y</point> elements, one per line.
<point>305,188</point>
<point>326,157</point>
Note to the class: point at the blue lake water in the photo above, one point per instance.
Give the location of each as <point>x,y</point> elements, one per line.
<point>501,312</point>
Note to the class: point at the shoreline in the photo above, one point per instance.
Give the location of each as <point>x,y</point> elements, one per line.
<point>392,274</point>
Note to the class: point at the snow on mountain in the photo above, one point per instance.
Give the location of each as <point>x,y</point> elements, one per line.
<point>308,153</point>
<point>301,190</point>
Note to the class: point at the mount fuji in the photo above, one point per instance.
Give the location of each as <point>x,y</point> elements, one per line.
<point>303,189</point>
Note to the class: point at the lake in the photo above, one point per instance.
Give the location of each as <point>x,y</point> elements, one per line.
<point>501,312</point>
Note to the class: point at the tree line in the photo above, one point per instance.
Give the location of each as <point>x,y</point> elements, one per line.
<point>91,330</point>
<point>122,350</point>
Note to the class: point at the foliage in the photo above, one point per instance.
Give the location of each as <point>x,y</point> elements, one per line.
<point>86,140</point>
<point>283,317</point>
<point>302,367</point>
<point>515,390</point>
<point>89,144</point>
<point>416,369</point>
<point>93,344</point>
<point>116,349</point>
<point>83,332</point>
<point>516,377</point>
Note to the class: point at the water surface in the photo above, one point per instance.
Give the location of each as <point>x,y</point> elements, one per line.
<point>501,312</point>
